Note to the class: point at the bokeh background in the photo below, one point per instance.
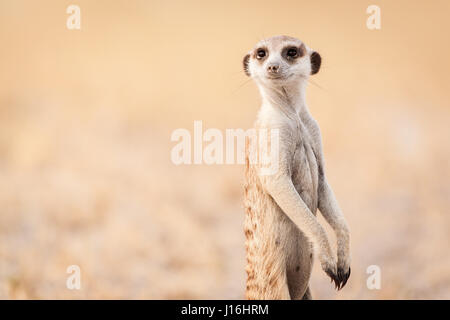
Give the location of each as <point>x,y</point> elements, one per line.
<point>86,117</point>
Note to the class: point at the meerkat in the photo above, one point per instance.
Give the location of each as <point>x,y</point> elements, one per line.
<point>281,228</point>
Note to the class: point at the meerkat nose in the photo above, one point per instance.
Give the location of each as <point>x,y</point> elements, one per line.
<point>273,68</point>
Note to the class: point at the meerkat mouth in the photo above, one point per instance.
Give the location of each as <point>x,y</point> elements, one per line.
<point>279,77</point>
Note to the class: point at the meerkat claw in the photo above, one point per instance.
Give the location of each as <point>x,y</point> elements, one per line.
<point>340,276</point>
<point>347,275</point>
<point>334,278</point>
<point>343,277</point>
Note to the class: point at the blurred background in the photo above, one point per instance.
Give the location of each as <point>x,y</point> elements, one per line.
<point>86,117</point>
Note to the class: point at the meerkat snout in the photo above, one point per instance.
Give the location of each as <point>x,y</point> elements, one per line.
<point>281,59</point>
<point>273,68</point>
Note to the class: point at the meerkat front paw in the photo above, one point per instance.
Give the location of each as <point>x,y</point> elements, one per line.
<point>338,272</point>
<point>343,270</point>
<point>329,266</point>
<point>343,275</point>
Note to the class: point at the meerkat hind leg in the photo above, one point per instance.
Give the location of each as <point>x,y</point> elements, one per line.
<point>280,291</point>
<point>267,279</point>
<point>299,267</point>
<point>270,290</point>
<point>307,295</point>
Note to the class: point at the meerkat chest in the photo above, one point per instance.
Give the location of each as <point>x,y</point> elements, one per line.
<point>304,166</point>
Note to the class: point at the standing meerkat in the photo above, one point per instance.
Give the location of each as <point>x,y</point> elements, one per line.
<point>281,229</point>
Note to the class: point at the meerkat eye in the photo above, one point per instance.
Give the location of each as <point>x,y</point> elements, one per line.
<point>292,53</point>
<point>261,53</point>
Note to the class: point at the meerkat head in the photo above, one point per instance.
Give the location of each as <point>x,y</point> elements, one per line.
<point>281,60</point>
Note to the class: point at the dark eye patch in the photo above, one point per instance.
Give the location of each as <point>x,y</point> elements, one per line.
<point>291,53</point>
<point>261,54</point>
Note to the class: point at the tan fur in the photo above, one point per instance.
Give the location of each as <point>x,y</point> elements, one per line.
<point>281,228</point>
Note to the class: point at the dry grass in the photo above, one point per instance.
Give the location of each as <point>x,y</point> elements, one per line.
<point>85,123</point>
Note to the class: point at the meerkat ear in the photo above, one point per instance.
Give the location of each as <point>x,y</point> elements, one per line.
<point>316,61</point>
<point>245,64</point>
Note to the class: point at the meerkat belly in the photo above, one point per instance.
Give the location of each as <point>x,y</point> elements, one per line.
<point>305,174</point>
